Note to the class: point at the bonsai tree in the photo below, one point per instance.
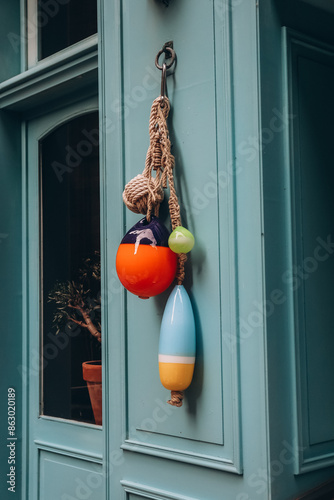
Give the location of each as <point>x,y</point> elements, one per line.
<point>79,301</point>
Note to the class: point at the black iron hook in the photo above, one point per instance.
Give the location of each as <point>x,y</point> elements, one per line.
<point>169,52</point>
<point>163,92</point>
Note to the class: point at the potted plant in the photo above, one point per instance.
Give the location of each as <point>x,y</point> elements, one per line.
<point>78,302</point>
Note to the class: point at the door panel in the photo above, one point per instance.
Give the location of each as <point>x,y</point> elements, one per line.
<point>203,430</point>
<point>311,80</point>
<point>67,478</point>
<point>197,450</point>
<point>316,110</point>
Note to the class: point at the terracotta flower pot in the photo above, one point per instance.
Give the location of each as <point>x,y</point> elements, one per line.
<point>92,374</point>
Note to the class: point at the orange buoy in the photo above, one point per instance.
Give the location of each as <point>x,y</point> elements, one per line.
<point>145,265</point>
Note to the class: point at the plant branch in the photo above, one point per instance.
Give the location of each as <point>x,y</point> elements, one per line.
<point>90,325</point>
<point>86,311</point>
<point>80,323</point>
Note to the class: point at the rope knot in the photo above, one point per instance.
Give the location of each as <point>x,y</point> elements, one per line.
<point>137,192</point>
<point>176,398</point>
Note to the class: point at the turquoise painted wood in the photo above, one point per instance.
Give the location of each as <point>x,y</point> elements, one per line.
<point>254,178</point>
<point>69,478</point>
<point>10,294</point>
<point>80,441</point>
<point>219,438</point>
<point>312,243</point>
<point>10,39</point>
<point>295,213</point>
<point>10,259</point>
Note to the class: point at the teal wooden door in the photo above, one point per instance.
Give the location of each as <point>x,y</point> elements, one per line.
<point>167,452</point>
<point>216,444</point>
<point>59,444</point>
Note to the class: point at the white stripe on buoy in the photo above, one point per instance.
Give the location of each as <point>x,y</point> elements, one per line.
<point>166,358</point>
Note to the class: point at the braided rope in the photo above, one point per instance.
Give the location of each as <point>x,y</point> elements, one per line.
<point>176,398</point>
<point>144,193</point>
<point>167,164</point>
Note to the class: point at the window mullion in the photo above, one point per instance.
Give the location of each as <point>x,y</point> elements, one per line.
<point>31,33</point>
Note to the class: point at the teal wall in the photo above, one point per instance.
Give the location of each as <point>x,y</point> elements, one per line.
<point>257,420</point>
<point>10,253</point>
<point>10,39</point>
<point>10,290</point>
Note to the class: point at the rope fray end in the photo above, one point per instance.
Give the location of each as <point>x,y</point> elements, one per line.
<point>176,398</point>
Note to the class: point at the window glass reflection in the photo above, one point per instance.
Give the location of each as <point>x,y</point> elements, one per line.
<point>70,270</point>
<point>64,22</point>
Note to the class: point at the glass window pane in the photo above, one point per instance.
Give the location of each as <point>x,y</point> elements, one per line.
<point>63,23</point>
<point>70,267</point>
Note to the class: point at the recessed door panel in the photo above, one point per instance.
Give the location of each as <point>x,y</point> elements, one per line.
<point>316,110</point>
<point>66,478</point>
<point>204,429</point>
<point>312,107</point>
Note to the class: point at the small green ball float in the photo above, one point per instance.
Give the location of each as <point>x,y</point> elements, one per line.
<point>181,240</point>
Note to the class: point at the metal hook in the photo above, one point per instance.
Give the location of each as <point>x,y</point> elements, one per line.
<point>163,92</point>
<point>169,52</point>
